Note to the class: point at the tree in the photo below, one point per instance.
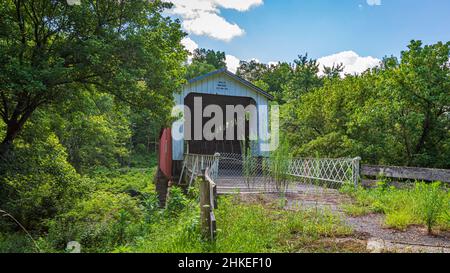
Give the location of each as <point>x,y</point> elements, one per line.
<point>333,71</point>
<point>94,129</point>
<point>211,57</point>
<point>252,71</point>
<point>304,78</point>
<point>196,69</point>
<point>205,61</point>
<point>276,77</point>
<point>50,48</point>
<point>419,90</point>
<point>397,114</point>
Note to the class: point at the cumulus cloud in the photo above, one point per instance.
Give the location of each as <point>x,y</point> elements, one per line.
<point>202,17</point>
<point>189,44</point>
<point>353,63</point>
<point>214,26</point>
<point>374,2</point>
<point>232,63</point>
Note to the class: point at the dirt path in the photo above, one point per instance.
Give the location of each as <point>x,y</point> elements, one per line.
<point>369,228</point>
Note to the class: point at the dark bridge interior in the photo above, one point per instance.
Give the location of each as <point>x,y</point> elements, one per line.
<point>216,146</point>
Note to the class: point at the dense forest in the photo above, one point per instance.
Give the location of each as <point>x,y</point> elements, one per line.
<point>85,90</point>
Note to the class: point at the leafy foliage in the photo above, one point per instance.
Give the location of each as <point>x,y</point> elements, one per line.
<point>126,49</point>
<point>211,57</point>
<point>205,61</point>
<point>97,223</point>
<point>397,115</point>
<point>41,185</point>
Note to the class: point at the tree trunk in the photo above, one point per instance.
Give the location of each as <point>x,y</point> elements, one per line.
<point>425,132</point>
<point>5,147</point>
<point>12,131</point>
<point>13,128</point>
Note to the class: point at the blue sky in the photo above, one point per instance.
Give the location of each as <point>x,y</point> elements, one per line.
<point>279,30</point>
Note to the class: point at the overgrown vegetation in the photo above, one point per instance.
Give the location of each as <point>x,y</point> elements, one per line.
<point>395,114</point>
<point>240,226</point>
<point>279,161</point>
<point>82,107</point>
<point>420,204</point>
<point>110,211</point>
<point>117,222</point>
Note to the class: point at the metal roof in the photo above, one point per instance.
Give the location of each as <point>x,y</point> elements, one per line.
<point>237,78</point>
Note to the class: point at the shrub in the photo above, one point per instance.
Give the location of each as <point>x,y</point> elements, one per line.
<point>98,223</point>
<point>151,205</point>
<point>39,184</point>
<point>16,243</point>
<point>431,203</point>
<point>134,182</point>
<point>176,202</point>
<point>422,204</point>
<point>179,234</point>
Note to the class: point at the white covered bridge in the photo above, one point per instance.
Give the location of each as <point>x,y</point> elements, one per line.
<point>184,155</point>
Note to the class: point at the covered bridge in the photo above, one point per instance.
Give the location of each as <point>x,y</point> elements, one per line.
<point>222,88</point>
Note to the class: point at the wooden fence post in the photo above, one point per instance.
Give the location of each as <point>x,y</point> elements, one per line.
<point>208,202</point>
<point>205,207</point>
<point>357,171</point>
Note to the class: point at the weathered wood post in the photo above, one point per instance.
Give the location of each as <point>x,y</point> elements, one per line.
<point>205,205</point>
<point>208,202</point>
<point>356,171</point>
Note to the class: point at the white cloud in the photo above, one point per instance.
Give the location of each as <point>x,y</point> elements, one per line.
<point>214,26</point>
<point>374,2</point>
<point>189,44</point>
<point>202,17</point>
<point>232,63</point>
<point>353,63</point>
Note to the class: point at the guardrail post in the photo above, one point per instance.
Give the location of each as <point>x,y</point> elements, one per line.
<point>205,207</point>
<point>215,165</point>
<point>356,171</point>
<point>208,202</point>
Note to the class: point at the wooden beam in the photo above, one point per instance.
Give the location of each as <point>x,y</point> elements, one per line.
<point>420,174</point>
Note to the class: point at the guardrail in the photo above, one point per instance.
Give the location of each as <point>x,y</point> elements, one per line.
<point>406,173</point>
<point>194,166</point>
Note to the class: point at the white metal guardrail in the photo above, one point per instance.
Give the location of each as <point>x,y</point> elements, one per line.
<point>258,172</point>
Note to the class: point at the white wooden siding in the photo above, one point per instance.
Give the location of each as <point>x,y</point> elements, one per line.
<point>209,85</point>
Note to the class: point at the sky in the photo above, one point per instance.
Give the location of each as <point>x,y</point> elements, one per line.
<point>357,33</point>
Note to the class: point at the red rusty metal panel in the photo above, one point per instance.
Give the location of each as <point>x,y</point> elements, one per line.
<point>165,152</point>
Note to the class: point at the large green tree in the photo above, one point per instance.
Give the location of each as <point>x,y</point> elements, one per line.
<point>205,61</point>
<point>396,114</point>
<point>304,78</point>
<point>49,49</point>
<point>209,56</point>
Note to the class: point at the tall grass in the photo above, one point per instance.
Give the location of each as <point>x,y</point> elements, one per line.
<point>423,204</point>
<point>431,203</point>
<point>248,164</point>
<point>279,162</point>
<point>243,228</point>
